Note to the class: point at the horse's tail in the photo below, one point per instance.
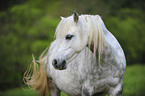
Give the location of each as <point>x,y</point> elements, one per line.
<point>36,75</point>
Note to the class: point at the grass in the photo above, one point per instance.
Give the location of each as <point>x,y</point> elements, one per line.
<point>134,84</point>
<point>134,81</point>
<point>18,92</point>
<point>21,92</point>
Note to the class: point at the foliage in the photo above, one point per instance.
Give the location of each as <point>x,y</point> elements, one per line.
<point>25,30</point>
<point>128,27</point>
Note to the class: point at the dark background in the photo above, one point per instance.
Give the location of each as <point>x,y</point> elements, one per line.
<point>28,26</point>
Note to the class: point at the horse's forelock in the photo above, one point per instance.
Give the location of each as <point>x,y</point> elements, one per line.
<point>64,26</point>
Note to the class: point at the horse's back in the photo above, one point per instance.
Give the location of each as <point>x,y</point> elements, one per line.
<point>115,51</point>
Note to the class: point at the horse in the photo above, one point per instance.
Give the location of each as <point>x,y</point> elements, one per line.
<point>85,59</point>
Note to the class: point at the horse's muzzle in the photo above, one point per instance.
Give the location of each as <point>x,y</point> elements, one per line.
<point>59,64</point>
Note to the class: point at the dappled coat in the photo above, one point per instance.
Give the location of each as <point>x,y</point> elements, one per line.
<point>84,60</point>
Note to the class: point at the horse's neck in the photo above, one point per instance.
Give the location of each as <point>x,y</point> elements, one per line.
<point>103,35</point>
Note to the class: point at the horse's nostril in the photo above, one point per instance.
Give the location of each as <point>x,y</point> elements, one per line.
<point>64,62</point>
<point>54,62</point>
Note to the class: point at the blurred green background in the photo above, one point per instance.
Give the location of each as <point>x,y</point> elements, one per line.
<point>28,26</point>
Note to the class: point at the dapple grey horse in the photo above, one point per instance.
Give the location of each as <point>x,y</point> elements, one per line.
<point>85,59</point>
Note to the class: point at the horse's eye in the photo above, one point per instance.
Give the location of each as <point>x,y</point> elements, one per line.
<point>69,37</point>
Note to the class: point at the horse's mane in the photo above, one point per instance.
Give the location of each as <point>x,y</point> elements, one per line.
<point>94,27</point>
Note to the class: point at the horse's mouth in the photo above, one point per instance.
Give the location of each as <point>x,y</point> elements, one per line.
<point>60,68</point>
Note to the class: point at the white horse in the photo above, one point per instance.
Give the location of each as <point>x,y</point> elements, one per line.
<point>84,60</point>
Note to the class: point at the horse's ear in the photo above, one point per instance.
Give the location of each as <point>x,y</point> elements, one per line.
<point>76,16</point>
<point>61,17</point>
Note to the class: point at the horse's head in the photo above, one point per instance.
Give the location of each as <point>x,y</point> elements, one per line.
<point>73,34</point>
<point>69,41</point>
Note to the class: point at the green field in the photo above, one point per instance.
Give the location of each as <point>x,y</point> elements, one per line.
<point>134,84</point>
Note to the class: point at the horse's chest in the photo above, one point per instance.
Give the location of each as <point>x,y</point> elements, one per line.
<point>67,81</point>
